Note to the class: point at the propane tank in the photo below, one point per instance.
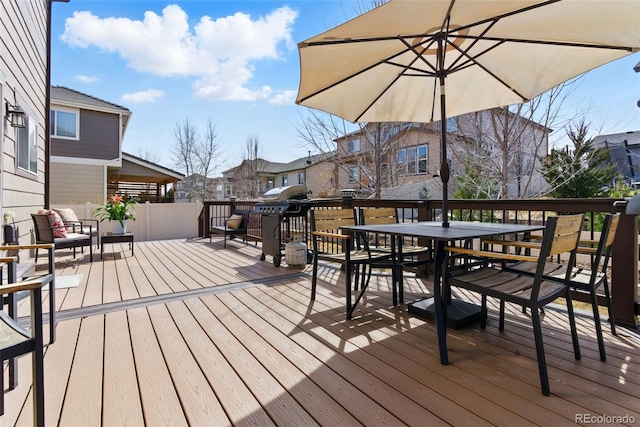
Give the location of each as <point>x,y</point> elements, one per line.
<point>295,252</point>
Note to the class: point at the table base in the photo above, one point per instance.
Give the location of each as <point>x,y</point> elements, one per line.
<point>459,313</point>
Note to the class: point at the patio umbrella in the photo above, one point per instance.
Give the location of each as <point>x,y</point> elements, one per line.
<point>393,63</point>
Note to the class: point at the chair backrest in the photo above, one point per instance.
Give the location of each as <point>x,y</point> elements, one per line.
<point>603,250</point>
<point>44,233</point>
<point>561,235</point>
<point>371,216</point>
<point>329,221</point>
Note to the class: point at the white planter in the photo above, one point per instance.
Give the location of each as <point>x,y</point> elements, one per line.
<point>119,229</point>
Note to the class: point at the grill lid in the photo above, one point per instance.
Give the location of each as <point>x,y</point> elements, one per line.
<point>286,193</point>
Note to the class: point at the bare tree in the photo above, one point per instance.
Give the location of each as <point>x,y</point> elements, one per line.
<point>207,154</point>
<point>248,177</point>
<point>508,145</point>
<point>184,151</point>
<point>373,156</point>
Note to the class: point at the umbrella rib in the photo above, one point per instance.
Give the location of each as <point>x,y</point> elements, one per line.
<point>508,14</point>
<point>544,42</point>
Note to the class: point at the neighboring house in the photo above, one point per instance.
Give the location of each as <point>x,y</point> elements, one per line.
<point>407,157</point>
<point>87,161</point>
<point>624,152</point>
<point>253,178</point>
<point>24,79</point>
<point>224,185</point>
<point>194,188</point>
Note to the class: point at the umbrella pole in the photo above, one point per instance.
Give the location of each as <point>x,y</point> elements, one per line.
<point>444,165</point>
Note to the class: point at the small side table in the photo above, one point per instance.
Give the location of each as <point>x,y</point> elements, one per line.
<point>115,238</point>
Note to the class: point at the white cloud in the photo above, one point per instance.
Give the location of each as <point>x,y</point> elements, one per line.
<point>220,53</point>
<point>150,95</point>
<point>287,97</point>
<point>86,79</point>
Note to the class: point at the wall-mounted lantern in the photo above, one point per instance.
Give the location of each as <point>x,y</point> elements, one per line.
<point>16,115</point>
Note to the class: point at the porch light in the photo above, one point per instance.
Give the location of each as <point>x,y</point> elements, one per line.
<point>16,115</point>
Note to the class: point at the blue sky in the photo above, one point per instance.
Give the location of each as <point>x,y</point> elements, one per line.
<point>236,62</point>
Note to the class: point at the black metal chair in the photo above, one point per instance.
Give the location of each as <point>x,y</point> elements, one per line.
<point>16,341</point>
<point>560,236</point>
<point>26,271</point>
<point>330,243</point>
<point>236,225</point>
<point>582,279</point>
<point>413,255</point>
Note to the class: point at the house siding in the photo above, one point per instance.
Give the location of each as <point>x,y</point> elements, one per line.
<point>23,80</point>
<point>98,138</point>
<point>76,183</point>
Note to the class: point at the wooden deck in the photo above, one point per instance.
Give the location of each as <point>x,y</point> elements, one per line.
<point>188,333</point>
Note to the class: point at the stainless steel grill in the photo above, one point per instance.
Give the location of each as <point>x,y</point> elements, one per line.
<point>284,212</point>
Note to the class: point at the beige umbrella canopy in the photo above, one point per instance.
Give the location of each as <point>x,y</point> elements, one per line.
<point>394,62</point>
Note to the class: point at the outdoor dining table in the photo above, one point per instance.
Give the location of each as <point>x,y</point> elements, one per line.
<point>456,231</point>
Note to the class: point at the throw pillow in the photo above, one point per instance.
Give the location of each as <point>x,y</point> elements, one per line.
<point>68,217</point>
<point>55,222</point>
<point>234,221</point>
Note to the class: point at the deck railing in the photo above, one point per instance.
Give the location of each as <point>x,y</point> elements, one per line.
<point>624,260</point>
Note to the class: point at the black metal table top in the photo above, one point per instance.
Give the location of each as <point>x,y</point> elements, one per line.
<point>456,230</point>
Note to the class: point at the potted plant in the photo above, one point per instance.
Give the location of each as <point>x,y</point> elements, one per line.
<point>117,209</point>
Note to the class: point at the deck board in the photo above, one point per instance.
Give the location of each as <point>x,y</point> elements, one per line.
<point>122,404</point>
<point>242,344</point>
<point>83,397</point>
<point>160,401</point>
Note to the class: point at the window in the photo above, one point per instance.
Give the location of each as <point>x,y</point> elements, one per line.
<point>227,189</point>
<point>285,180</point>
<point>353,146</point>
<point>354,175</point>
<point>422,159</point>
<point>413,160</point>
<point>28,147</point>
<point>301,178</point>
<point>452,124</point>
<point>269,183</point>
<point>64,124</point>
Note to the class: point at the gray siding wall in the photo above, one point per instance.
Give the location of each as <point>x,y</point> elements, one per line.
<point>23,59</point>
<point>99,138</point>
<point>76,184</point>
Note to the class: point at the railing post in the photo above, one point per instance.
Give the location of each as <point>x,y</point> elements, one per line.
<point>624,271</point>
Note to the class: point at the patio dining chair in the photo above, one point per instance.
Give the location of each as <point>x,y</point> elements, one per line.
<point>413,255</point>
<point>329,244</point>
<point>588,280</point>
<point>16,341</point>
<point>533,291</point>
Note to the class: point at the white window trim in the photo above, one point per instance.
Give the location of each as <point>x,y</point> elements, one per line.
<point>66,110</point>
<point>31,131</point>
